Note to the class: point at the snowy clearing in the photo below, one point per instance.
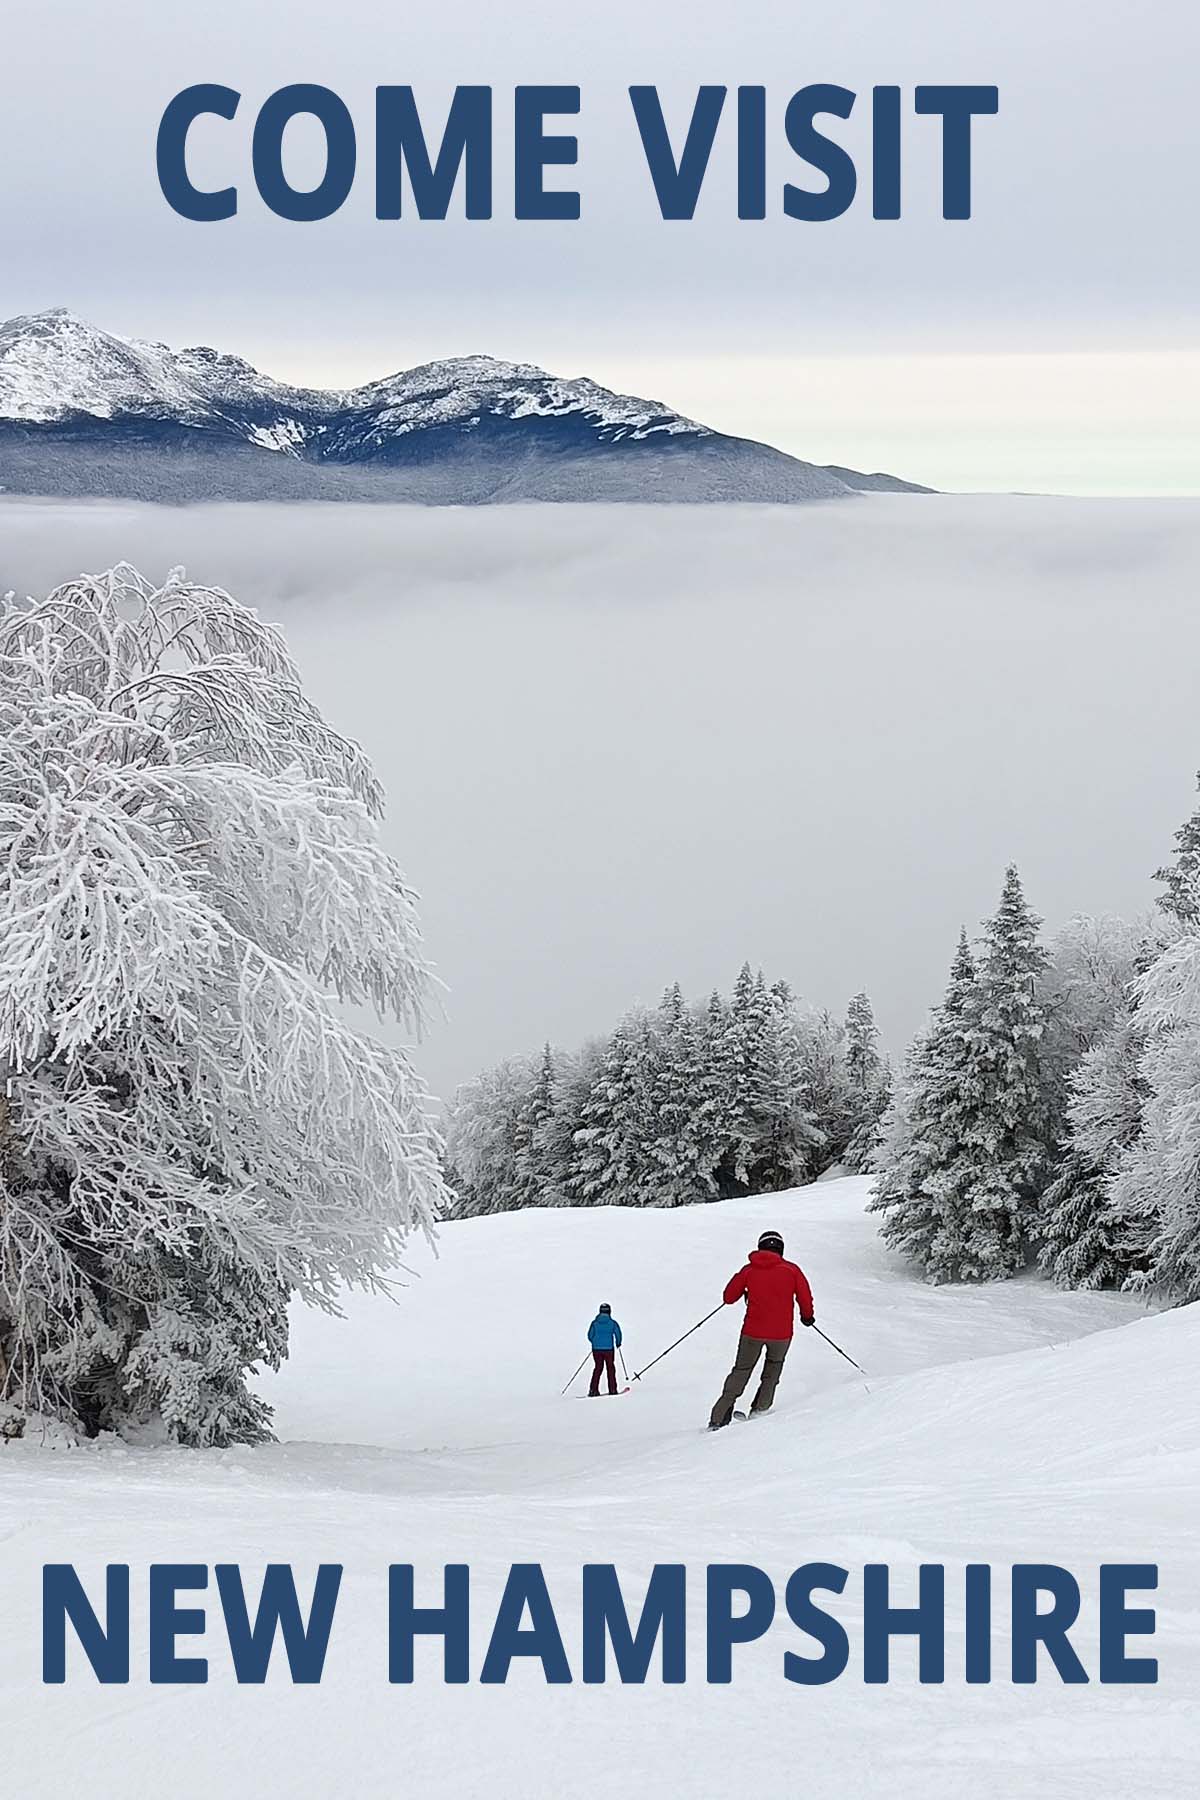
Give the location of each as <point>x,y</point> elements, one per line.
<point>1013,1423</point>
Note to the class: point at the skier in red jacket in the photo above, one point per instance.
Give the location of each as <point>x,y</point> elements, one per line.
<point>771,1288</point>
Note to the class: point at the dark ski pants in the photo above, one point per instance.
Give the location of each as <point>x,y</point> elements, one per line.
<point>748,1352</point>
<point>604,1359</point>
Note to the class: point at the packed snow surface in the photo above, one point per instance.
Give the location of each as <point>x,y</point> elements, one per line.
<point>1002,1424</point>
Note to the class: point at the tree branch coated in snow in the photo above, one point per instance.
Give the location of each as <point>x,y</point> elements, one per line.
<point>190,880</point>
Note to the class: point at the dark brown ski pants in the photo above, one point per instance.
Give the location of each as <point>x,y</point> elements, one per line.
<point>744,1363</point>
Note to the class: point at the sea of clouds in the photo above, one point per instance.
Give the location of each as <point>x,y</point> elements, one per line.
<point>625,746</point>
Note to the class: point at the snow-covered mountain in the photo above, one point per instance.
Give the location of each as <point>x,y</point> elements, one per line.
<point>83,411</point>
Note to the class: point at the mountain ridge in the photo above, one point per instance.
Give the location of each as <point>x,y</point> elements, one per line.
<point>84,411</point>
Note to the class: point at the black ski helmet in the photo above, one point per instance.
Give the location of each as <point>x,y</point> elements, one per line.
<point>771,1240</point>
<point>606,1307</point>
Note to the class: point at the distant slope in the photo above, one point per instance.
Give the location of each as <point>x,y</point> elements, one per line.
<point>876,483</point>
<point>83,412</point>
<point>660,1271</point>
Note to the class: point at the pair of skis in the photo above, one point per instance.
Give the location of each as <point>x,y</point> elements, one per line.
<point>596,1396</point>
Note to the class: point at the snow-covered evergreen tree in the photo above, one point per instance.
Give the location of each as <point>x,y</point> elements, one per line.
<point>869,1081</point>
<point>772,1140</point>
<point>925,1188</point>
<point>730,1028</point>
<point>678,1106</point>
<point>789,1145</point>
<point>190,879</point>
<point>1180,899</point>
<point>612,1164</point>
<point>721,1086</point>
<point>682,1150</point>
<point>963,1197</point>
<point>535,1177</point>
<point>1012,1146</point>
<point>747,1022</point>
<point>574,1079</point>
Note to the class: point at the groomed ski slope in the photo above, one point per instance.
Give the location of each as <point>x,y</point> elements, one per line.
<point>1012,1423</point>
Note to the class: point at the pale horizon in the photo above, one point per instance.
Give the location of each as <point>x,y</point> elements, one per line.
<point>1088,422</point>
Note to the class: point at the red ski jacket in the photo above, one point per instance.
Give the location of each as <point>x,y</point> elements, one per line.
<point>770,1286</point>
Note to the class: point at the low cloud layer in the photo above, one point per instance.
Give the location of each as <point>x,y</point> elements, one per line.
<point>628,746</point>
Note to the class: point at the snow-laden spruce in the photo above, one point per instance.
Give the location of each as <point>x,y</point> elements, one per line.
<point>926,1184</point>
<point>679,1104</point>
<point>1021,1061</point>
<point>190,881</point>
<point>971,1139</point>
<point>869,1080</point>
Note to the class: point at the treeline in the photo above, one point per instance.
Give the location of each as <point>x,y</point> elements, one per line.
<point>1048,1114</point>
<point>1050,1111</point>
<point>680,1104</point>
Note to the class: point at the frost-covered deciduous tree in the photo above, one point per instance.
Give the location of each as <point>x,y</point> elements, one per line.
<point>1092,963</point>
<point>1157,1176</point>
<point>482,1130</point>
<point>1089,1239</point>
<point>191,879</point>
<point>1153,1190</point>
<point>826,1084</point>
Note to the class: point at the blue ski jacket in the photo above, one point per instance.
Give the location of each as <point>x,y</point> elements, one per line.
<point>604,1333</point>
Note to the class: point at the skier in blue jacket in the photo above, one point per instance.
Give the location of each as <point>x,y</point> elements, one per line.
<point>604,1335</point>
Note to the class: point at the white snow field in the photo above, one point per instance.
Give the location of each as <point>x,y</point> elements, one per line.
<point>1012,1423</point>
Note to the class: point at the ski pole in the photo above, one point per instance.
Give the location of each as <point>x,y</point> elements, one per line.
<point>679,1340</point>
<point>839,1350</point>
<point>624,1370</point>
<point>586,1354</point>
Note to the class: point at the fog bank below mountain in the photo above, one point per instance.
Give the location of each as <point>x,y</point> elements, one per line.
<point>625,746</point>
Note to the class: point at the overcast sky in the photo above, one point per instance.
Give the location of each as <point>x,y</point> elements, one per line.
<point>1051,341</point>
